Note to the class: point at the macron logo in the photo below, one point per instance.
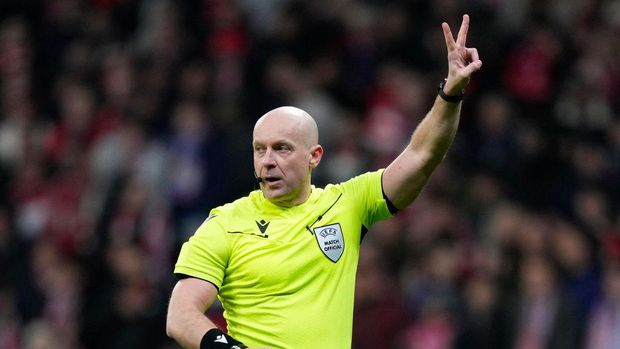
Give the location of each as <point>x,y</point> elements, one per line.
<point>221,339</point>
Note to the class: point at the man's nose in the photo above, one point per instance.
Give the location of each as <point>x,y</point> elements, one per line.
<point>268,159</point>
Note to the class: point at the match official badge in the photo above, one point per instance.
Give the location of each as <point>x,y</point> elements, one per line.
<point>330,241</point>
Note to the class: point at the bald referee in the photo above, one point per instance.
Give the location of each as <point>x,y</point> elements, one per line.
<point>283,259</point>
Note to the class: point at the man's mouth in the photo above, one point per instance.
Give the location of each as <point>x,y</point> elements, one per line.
<point>270,179</point>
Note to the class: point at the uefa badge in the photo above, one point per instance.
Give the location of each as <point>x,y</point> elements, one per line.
<point>330,240</point>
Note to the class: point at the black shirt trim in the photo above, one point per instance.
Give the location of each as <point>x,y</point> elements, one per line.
<point>393,209</point>
<point>181,276</point>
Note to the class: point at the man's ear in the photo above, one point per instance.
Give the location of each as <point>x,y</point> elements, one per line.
<point>316,153</point>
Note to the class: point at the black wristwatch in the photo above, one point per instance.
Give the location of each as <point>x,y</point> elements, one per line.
<point>447,98</point>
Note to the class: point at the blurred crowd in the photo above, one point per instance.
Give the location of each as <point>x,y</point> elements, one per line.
<point>123,122</point>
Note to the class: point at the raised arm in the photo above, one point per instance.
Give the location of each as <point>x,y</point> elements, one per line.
<point>405,177</point>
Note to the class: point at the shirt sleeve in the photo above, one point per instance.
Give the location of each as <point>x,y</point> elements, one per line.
<point>366,192</point>
<point>205,255</point>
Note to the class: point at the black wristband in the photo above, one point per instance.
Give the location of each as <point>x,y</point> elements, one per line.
<point>447,98</point>
<point>216,339</point>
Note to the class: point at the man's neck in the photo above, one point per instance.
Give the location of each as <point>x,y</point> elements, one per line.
<point>299,199</point>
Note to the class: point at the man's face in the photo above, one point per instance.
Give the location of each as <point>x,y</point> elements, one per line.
<point>283,159</point>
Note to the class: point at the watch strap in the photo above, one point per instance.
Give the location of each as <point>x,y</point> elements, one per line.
<point>448,98</point>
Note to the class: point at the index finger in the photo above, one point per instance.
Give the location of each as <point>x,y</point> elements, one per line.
<point>462,36</point>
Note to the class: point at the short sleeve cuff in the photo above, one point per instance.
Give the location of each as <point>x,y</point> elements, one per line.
<point>182,272</point>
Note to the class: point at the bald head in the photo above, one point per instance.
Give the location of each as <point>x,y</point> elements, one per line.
<point>293,121</point>
<point>286,150</point>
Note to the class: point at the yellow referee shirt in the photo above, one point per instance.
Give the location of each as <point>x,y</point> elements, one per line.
<point>286,276</point>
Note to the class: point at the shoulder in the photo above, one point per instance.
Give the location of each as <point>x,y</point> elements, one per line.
<point>367,179</point>
<point>244,206</point>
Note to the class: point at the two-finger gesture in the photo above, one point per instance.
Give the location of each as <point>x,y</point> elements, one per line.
<point>462,61</point>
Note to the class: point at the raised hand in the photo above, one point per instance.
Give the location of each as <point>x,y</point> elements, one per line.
<point>462,61</point>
